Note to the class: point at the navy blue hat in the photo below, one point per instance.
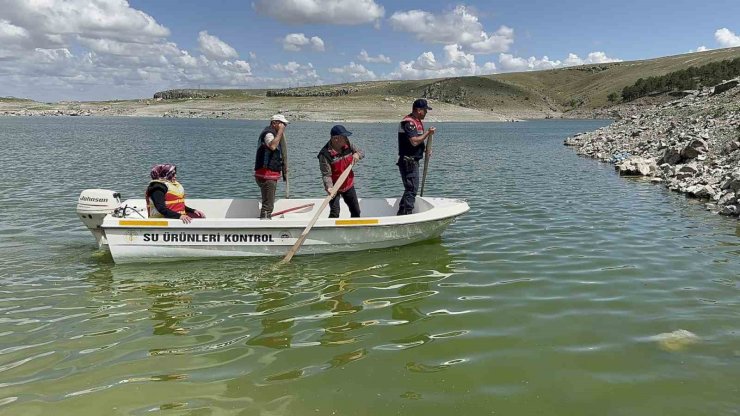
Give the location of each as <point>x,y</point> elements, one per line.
<point>421,103</point>
<point>339,130</point>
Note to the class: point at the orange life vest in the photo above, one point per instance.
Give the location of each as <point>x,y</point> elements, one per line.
<point>174,199</point>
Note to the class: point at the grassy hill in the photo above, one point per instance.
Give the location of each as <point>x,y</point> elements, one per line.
<point>568,92</point>
<point>590,84</point>
<point>542,92</point>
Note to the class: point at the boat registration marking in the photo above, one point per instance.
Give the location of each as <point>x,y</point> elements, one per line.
<point>143,223</point>
<point>357,222</point>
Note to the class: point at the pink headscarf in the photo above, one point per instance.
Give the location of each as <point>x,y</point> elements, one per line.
<point>164,171</point>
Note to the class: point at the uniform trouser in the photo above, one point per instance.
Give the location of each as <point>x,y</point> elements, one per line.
<point>350,198</point>
<point>267,187</point>
<point>409,169</point>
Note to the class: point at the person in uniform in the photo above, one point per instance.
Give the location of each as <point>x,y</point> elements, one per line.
<point>268,163</point>
<point>334,158</point>
<point>411,144</point>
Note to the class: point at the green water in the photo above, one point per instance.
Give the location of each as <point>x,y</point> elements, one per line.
<point>545,299</point>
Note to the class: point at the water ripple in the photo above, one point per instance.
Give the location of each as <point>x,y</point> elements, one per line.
<point>561,271</point>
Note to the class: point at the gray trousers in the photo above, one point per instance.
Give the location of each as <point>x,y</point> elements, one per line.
<point>267,188</point>
<point>409,169</point>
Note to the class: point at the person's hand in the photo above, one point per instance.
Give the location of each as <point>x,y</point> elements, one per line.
<point>328,191</point>
<point>185,218</point>
<point>355,157</point>
<point>281,127</point>
<point>200,213</point>
<point>432,130</point>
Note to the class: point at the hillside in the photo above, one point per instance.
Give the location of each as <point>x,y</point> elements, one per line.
<point>569,92</point>
<point>590,84</point>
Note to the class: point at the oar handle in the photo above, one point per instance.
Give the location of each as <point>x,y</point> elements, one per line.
<point>332,192</point>
<point>427,152</point>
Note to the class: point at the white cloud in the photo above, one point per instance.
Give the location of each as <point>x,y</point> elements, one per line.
<point>354,72</point>
<point>295,42</point>
<point>364,57</point>
<point>511,63</point>
<point>489,68</point>
<point>455,63</point>
<point>597,57</point>
<point>459,26</point>
<point>214,48</point>
<point>294,68</point>
<point>103,49</point>
<point>726,38</point>
<point>700,49</point>
<point>298,74</point>
<point>12,34</point>
<point>52,23</point>
<point>336,12</point>
<point>498,41</point>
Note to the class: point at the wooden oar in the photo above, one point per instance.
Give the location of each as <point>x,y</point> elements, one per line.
<point>299,208</point>
<point>284,147</point>
<point>427,153</point>
<point>332,192</point>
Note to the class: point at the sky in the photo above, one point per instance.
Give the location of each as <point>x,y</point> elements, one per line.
<point>52,50</point>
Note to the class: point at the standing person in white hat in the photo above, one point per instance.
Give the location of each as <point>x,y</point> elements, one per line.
<point>268,163</point>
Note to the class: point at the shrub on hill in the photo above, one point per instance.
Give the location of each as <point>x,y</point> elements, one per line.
<point>686,79</point>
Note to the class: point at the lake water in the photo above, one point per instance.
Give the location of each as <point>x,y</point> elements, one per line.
<point>548,297</point>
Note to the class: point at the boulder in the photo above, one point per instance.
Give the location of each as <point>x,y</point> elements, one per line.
<point>719,89</point>
<point>732,183</point>
<point>636,166</point>
<point>730,147</point>
<point>671,156</point>
<point>695,148</point>
<point>700,191</point>
<point>687,171</point>
<point>729,210</point>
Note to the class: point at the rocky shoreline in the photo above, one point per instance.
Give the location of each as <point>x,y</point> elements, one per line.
<point>691,145</point>
<point>323,109</point>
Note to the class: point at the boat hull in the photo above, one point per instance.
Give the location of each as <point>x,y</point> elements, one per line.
<point>231,229</point>
<point>139,245</point>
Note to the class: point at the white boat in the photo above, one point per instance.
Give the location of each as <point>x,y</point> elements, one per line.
<point>232,227</point>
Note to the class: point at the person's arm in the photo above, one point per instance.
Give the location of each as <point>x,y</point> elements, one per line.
<point>357,152</point>
<point>417,140</point>
<point>190,211</point>
<point>325,167</point>
<point>275,142</point>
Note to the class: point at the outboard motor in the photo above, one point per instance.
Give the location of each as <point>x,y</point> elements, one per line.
<point>92,206</point>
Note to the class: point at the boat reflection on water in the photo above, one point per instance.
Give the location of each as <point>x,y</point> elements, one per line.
<point>328,289</point>
<point>245,327</point>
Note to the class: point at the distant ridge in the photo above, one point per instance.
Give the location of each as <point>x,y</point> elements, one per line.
<point>574,92</point>
<point>561,90</point>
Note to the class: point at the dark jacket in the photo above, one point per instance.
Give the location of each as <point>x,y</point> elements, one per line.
<point>266,158</point>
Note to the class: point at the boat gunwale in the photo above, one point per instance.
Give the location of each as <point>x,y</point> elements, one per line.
<point>284,223</point>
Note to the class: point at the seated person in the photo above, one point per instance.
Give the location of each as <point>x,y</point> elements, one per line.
<point>165,196</point>
<point>334,158</point>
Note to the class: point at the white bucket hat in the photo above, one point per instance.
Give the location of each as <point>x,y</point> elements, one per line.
<point>279,117</point>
